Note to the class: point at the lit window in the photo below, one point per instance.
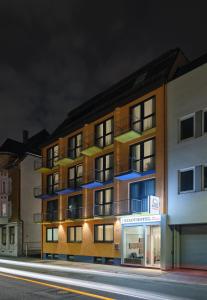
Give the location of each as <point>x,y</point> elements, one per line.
<point>75,234</point>
<point>52,234</point>
<point>75,176</point>
<point>104,233</point>
<point>143,115</point>
<point>75,146</point>
<point>143,156</point>
<point>186,180</point>
<point>104,168</point>
<point>52,156</point>
<point>52,183</point>
<point>104,133</point>
<point>187,128</point>
<point>103,202</point>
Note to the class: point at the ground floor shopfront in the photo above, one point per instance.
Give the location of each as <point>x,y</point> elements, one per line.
<point>141,240</point>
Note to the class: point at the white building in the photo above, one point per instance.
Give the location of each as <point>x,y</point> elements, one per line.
<point>187,166</point>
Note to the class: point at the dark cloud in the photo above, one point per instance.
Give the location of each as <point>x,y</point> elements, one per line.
<point>56,54</point>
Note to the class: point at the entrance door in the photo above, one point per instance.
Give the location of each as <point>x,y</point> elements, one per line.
<point>152,247</point>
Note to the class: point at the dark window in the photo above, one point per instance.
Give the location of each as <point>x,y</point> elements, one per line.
<point>75,176</point>
<point>139,194</point>
<point>3,236</point>
<point>205,177</point>
<point>143,115</point>
<point>75,209</point>
<point>75,146</point>
<point>186,180</point>
<point>52,156</point>
<point>187,128</point>
<point>52,234</point>
<point>75,234</point>
<point>12,235</point>
<point>104,133</point>
<point>104,168</point>
<point>104,233</point>
<point>205,121</point>
<point>103,202</point>
<point>143,156</point>
<point>52,183</point>
<point>52,210</point>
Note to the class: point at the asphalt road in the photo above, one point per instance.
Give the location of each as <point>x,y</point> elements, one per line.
<point>22,282</point>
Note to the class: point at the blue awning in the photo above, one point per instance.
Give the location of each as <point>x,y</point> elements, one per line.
<point>128,175</point>
<point>65,191</point>
<point>92,185</point>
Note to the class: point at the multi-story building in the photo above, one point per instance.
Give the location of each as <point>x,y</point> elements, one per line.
<point>187,166</point>
<point>103,174</point>
<point>18,233</point>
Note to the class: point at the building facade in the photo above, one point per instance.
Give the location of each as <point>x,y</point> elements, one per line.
<point>187,166</point>
<point>19,235</point>
<point>103,174</point>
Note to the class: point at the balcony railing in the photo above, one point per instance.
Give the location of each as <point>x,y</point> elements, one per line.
<point>43,193</point>
<point>66,160</point>
<point>69,186</point>
<point>97,178</point>
<point>124,132</point>
<point>45,166</point>
<point>90,147</point>
<point>79,212</point>
<point>130,206</point>
<point>103,210</point>
<point>52,216</point>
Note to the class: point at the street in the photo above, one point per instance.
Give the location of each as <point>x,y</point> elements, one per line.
<point>26,280</point>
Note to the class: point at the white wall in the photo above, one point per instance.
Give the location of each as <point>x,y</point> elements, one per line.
<point>187,94</point>
<point>28,204</point>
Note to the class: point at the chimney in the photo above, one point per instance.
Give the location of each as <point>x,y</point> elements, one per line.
<point>25,135</point>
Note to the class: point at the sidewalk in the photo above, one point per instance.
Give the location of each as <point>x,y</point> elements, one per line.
<point>180,275</point>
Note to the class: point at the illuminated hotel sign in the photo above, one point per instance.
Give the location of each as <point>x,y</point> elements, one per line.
<point>154,205</point>
<point>140,219</point>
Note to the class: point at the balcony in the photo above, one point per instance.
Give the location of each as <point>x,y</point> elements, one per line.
<point>43,194</point>
<point>90,147</point>
<point>124,172</point>
<point>103,210</point>
<point>42,166</point>
<point>69,187</point>
<point>78,213</point>
<point>65,160</point>
<point>131,206</point>
<point>124,133</point>
<point>98,179</point>
<point>46,217</point>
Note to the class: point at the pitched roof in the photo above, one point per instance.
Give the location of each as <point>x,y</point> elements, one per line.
<point>33,144</point>
<point>146,79</point>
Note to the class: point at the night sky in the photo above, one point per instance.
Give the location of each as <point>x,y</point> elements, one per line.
<point>54,55</point>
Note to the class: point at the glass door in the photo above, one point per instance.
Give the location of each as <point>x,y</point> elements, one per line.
<point>152,246</point>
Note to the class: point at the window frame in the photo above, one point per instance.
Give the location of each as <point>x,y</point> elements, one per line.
<point>11,237</point>
<point>203,185</point>
<point>53,214</point>
<point>51,161</point>
<point>76,178</point>
<point>104,170</point>
<point>104,201</point>
<point>142,156</point>
<point>74,150</point>
<point>179,180</point>
<point>104,234</point>
<point>203,122</point>
<point>142,118</point>
<point>79,213</point>
<point>51,241</point>
<point>188,116</point>
<point>75,234</point>
<point>53,190</point>
<point>104,136</point>
<point>3,236</point>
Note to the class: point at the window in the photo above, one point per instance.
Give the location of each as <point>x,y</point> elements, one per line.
<point>187,127</point>
<point>103,202</point>
<point>52,156</point>
<point>104,168</point>
<point>52,234</point>
<point>186,180</point>
<point>139,194</point>
<point>143,156</point>
<point>205,177</point>
<point>75,146</point>
<point>75,234</point>
<point>12,235</point>
<point>143,115</point>
<point>205,121</point>
<point>104,233</point>
<point>104,133</point>
<point>75,210</point>
<point>52,183</point>
<point>52,210</point>
<point>75,176</point>
<point>3,236</point>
